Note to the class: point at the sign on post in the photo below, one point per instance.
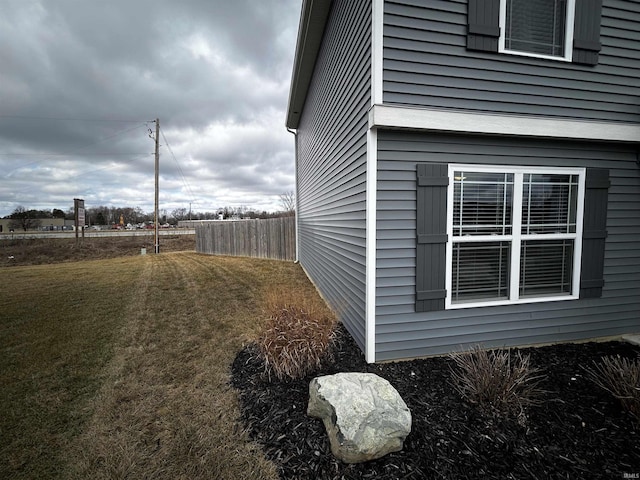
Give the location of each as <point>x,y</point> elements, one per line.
<point>78,208</point>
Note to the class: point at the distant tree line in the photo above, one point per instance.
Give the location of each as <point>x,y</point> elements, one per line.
<point>24,219</point>
<point>104,215</point>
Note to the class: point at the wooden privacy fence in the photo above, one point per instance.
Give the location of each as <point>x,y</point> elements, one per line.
<point>273,238</point>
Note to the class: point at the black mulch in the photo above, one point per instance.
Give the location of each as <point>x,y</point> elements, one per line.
<point>579,432</point>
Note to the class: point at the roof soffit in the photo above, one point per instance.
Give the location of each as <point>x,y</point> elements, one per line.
<point>313,19</point>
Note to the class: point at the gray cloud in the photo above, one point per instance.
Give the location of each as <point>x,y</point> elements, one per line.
<point>81,79</point>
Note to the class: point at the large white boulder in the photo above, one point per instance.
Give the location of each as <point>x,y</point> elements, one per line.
<point>364,415</point>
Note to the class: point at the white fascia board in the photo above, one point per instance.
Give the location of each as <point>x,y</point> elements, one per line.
<point>389,116</point>
<point>313,18</point>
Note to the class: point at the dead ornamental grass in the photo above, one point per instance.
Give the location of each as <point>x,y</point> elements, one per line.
<point>160,405</point>
<point>297,333</point>
<point>497,381</point>
<point>621,378</point>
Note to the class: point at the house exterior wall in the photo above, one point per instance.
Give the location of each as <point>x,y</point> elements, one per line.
<point>331,164</point>
<point>426,64</point>
<point>402,333</point>
<point>420,93</point>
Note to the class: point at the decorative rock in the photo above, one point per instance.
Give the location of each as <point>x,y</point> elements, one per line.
<point>364,415</point>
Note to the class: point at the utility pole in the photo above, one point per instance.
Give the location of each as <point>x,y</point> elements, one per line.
<point>155,221</point>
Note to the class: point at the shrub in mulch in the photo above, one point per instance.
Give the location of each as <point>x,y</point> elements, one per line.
<point>576,431</point>
<point>296,336</point>
<point>620,377</point>
<point>499,382</point>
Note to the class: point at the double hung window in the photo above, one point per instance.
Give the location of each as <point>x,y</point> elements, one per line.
<point>514,234</point>
<point>564,30</point>
<point>540,28</point>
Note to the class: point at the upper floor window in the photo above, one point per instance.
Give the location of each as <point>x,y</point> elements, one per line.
<point>539,28</point>
<point>565,30</point>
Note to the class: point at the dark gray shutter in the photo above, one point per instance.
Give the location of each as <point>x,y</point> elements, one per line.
<point>483,25</point>
<point>431,230</point>
<point>594,232</point>
<point>586,32</point>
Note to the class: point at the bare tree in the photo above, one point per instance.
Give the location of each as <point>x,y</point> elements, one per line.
<point>24,219</point>
<point>288,202</point>
<point>179,214</point>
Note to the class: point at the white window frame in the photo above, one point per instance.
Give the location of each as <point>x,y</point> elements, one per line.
<point>568,40</point>
<point>516,236</point>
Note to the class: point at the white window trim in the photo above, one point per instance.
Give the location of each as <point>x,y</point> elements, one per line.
<point>516,237</point>
<point>568,40</point>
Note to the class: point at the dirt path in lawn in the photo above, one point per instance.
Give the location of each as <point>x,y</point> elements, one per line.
<point>165,409</point>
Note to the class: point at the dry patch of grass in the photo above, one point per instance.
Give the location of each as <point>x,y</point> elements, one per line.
<point>57,327</point>
<point>154,400</point>
<point>43,251</point>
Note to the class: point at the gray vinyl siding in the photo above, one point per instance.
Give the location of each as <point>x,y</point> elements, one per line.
<point>331,164</point>
<point>426,63</point>
<point>402,333</point>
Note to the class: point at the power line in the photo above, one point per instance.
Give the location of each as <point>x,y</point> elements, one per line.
<point>73,153</point>
<point>37,162</point>
<point>79,150</point>
<point>87,172</point>
<point>121,132</point>
<point>106,168</point>
<point>72,119</point>
<point>184,179</point>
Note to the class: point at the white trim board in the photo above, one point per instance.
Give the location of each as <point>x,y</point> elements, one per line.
<point>377,26</point>
<point>371,251</point>
<point>387,116</point>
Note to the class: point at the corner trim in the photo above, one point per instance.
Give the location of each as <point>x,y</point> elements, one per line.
<point>371,239</point>
<point>377,26</point>
<point>387,116</point>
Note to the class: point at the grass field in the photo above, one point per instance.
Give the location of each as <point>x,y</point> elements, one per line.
<point>43,251</point>
<point>119,368</point>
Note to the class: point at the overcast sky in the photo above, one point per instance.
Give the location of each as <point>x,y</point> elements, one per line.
<point>81,81</point>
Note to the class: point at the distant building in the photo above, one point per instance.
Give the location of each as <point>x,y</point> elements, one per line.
<point>39,224</point>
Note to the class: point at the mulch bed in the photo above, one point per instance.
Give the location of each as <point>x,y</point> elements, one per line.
<point>579,431</point>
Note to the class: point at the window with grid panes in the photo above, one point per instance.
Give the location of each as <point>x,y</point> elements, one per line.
<point>514,234</point>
